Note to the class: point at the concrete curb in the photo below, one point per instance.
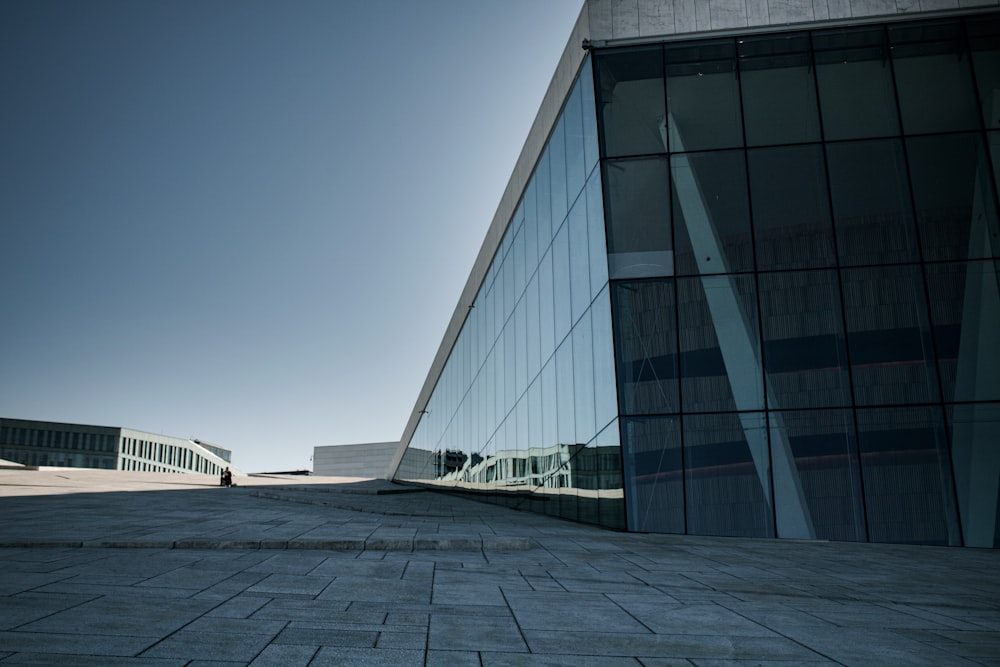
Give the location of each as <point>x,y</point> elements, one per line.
<point>373,544</point>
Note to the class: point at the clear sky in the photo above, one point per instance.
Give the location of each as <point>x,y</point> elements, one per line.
<point>249,221</point>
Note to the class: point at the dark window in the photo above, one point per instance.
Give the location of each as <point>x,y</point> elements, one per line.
<point>871,202</point>
<point>888,336</point>
<point>907,476</point>
<point>630,102</point>
<point>703,99</point>
<point>933,77</point>
<point>805,357</point>
<point>711,213</point>
<point>791,208</point>
<point>855,83</point>
<point>984,39</point>
<point>779,94</point>
<point>953,196</point>
<point>646,342</point>
<point>656,485</point>
<point>638,218</point>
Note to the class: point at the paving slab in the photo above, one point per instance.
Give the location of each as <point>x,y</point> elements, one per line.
<point>151,569</point>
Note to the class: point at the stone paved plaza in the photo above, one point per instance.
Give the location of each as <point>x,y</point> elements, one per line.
<point>110,568</point>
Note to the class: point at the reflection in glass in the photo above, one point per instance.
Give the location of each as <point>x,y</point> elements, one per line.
<point>630,101</point>
<point>855,83</point>
<point>954,198</point>
<point>720,353</point>
<point>638,218</point>
<point>791,208</point>
<point>821,478</point>
<point>871,202</point>
<point>605,386</point>
<point>888,336</point>
<point>711,213</point>
<point>654,468</point>
<point>933,78</point>
<point>975,432</point>
<point>965,312</point>
<point>703,96</point>
<point>907,476</point>
<point>779,95</point>
<point>727,475</point>
<point>804,353</point>
<point>646,337</point>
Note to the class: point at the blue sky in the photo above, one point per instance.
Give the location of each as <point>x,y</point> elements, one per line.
<point>249,222</point>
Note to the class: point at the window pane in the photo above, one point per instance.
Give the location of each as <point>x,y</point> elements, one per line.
<point>953,194</point>
<point>596,239</point>
<point>779,95</point>
<point>933,78</point>
<point>560,275</point>
<point>975,432</point>
<point>630,101</point>
<point>907,476</point>
<point>646,339</point>
<point>727,475</point>
<point>579,258</point>
<point>965,311</point>
<point>654,467</point>
<point>564,391</point>
<point>791,208</point>
<point>703,96</point>
<point>583,380</point>
<point>557,167</point>
<point>711,213</point>
<point>638,213</point>
<point>888,336</point>
<point>855,83</point>
<point>605,397</point>
<point>871,203</point>
<point>817,475</point>
<point>804,353</point>
<point>720,353</point>
<point>610,492</point>
<point>590,145</point>
<point>572,116</point>
<point>984,40</point>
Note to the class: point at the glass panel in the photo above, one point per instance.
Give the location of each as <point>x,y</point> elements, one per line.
<point>646,339</point>
<point>871,202</point>
<point>550,405</point>
<point>907,476</point>
<point>638,212</point>
<point>791,208</point>
<point>855,83</point>
<point>605,396</point>
<point>888,336</point>
<point>595,235</point>
<point>611,494</point>
<point>543,195</point>
<point>727,475</point>
<point>703,98</point>
<point>953,194</point>
<point>557,166</point>
<point>817,475</point>
<point>975,432</point>
<point>933,78</point>
<point>630,101</point>
<point>965,311</point>
<point>533,325</point>
<point>590,145</point>
<point>572,115</point>
<point>654,470</point>
<point>583,380</point>
<point>561,279</point>
<point>720,352</point>
<point>579,259</point>
<point>984,40</point>
<point>779,94</point>
<point>546,307</point>
<point>564,390</point>
<point>711,213</point>
<point>804,353</point>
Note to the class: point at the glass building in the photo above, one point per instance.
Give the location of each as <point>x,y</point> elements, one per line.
<point>741,284</point>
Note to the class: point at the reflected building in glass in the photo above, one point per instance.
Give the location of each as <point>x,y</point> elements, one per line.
<point>743,283</point>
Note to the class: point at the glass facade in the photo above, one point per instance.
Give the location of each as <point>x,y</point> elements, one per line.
<point>751,289</point>
<point>525,409</point>
<point>815,351</point>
